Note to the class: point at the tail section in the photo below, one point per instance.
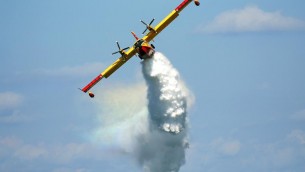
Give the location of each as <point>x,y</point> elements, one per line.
<point>135,36</point>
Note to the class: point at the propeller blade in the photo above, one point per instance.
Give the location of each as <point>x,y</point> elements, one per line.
<point>144,31</point>
<point>148,26</point>
<point>115,52</point>
<point>118,45</point>
<point>152,21</point>
<point>126,48</point>
<point>121,51</point>
<point>143,22</point>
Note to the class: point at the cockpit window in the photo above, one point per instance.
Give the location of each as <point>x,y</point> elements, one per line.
<point>139,43</point>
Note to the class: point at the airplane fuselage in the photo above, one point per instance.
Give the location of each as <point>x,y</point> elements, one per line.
<point>144,49</point>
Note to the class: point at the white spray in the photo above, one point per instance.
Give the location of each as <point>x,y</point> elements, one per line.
<point>148,121</point>
<point>162,148</point>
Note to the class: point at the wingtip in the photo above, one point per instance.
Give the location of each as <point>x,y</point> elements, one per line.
<point>197,3</point>
<point>82,90</point>
<point>91,95</point>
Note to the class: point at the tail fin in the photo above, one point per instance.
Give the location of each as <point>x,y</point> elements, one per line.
<point>135,36</point>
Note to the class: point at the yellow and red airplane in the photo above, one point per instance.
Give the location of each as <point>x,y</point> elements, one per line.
<point>141,47</point>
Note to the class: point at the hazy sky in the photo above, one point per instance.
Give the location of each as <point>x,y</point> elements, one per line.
<point>242,60</point>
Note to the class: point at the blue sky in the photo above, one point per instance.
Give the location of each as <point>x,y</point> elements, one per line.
<point>242,60</point>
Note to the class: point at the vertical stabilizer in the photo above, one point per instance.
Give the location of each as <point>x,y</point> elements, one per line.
<point>135,36</point>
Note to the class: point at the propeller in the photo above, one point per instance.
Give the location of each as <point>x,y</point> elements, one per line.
<point>121,51</point>
<point>148,26</point>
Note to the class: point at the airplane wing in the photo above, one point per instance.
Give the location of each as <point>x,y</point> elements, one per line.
<point>153,32</point>
<point>167,20</point>
<point>112,68</point>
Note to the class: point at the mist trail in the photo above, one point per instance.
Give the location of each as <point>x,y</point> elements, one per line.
<point>162,148</point>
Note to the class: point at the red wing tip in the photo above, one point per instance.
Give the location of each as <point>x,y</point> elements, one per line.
<point>89,93</point>
<point>82,90</point>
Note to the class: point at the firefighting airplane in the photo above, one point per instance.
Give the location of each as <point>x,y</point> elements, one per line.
<point>141,47</point>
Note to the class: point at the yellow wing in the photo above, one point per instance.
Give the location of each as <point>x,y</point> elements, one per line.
<point>112,68</point>
<point>131,51</point>
<point>119,62</point>
<point>166,21</point>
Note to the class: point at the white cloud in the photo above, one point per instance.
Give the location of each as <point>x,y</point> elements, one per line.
<point>252,19</point>
<point>9,100</point>
<point>55,157</point>
<point>74,71</point>
<point>281,157</point>
<point>227,147</point>
<point>30,152</point>
<point>72,151</point>
<point>14,117</point>
<point>16,149</point>
<point>71,170</point>
<point>9,104</point>
<point>298,135</point>
<point>300,115</point>
<point>9,142</point>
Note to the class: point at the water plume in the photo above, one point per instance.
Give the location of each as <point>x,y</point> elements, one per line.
<point>147,120</point>
<point>162,147</point>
